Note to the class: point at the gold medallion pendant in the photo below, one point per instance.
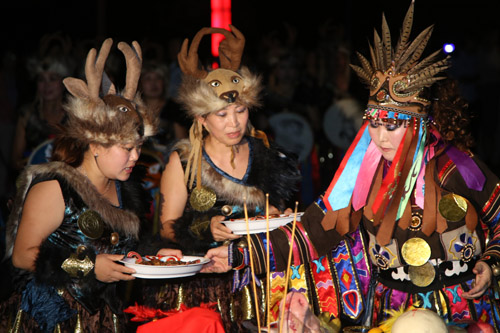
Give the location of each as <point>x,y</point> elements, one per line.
<point>422,276</point>
<point>416,251</point>
<point>453,207</point>
<point>91,224</point>
<point>202,198</point>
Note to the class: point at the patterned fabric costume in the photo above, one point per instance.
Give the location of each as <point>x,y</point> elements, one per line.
<point>56,298</point>
<point>414,227</point>
<point>337,280</point>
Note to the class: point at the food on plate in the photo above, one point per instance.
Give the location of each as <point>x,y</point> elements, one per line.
<point>160,260</point>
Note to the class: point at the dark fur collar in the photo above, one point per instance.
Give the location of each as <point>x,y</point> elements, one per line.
<point>273,171</point>
<point>116,218</point>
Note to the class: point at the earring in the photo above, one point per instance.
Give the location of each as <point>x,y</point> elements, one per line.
<point>96,155</point>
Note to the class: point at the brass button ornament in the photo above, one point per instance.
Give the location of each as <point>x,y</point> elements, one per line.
<point>423,275</point>
<point>416,222</point>
<point>91,224</point>
<point>226,210</point>
<point>202,198</point>
<point>496,270</point>
<point>114,238</point>
<point>416,251</point>
<point>453,207</point>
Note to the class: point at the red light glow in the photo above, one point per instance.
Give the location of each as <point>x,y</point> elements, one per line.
<point>221,18</point>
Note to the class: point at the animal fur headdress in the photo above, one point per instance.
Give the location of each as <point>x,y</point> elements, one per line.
<point>202,93</point>
<point>116,117</point>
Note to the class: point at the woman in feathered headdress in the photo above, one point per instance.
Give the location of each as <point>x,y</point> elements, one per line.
<point>410,207</point>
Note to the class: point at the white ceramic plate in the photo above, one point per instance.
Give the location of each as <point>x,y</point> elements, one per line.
<point>239,227</point>
<point>166,272</point>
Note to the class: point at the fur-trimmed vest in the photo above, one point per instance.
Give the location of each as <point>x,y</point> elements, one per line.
<point>90,224</point>
<point>271,171</point>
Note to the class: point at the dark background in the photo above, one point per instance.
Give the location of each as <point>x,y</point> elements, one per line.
<point>473,26</point>
<point>24,22</point>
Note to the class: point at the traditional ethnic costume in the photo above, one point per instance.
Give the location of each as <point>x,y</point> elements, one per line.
<point>213,192</point>
<point>415,227</point>
<point>63,294</point>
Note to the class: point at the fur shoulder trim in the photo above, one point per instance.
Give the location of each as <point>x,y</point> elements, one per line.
<point>226,189</point>
<point>116,218</point>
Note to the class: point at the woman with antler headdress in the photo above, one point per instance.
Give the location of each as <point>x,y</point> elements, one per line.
<point>224,164</point>
<point>410,208</point>
<point>75,217</point>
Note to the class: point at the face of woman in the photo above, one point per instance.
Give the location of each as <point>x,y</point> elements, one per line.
<point>50,86</point>
<point>386,137</point>
<point>152,85</point>
<point>118,161</point>
<point>227,125</point>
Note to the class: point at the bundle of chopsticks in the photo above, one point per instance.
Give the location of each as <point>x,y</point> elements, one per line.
<point>287,275</point>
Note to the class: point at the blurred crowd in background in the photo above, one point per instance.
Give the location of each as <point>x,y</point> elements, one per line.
<point>312,103</point>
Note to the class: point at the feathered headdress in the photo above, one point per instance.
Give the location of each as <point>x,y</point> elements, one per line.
<point>111,117</point>
<point>396,78</point>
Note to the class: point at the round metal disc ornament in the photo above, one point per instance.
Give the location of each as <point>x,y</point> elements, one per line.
<point>416,251</point>
<point>202,198</point>
<point>114,238</point>
<point>91,224</point>
<point>226,210</point>
<point>453,207</point>
<point>416,222</point>
<point>422,276</point>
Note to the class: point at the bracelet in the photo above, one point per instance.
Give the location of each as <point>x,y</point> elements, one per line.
<point>230,254</point>
<point>244,262</point>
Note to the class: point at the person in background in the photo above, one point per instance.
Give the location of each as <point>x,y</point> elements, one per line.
<point>153,86</point>
<point>38,119</point>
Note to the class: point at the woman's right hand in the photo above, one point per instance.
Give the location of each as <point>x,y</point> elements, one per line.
<point>108,270</point>
<point>219,262</point>
<point>219,231</point>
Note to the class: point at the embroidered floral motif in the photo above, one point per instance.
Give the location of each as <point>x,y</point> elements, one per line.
<point>465,247</point>
<point>381,256</point>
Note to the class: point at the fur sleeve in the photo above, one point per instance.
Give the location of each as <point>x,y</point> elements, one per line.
<point>276,172</point>
<point>192,232</point>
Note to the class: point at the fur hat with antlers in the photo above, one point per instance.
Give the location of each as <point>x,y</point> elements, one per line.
<point>97,113</point>
<point>202,92</point>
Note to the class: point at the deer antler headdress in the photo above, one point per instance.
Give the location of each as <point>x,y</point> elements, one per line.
<point>203,92</point>
<point>396,80</point>
<point>111,117</point>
